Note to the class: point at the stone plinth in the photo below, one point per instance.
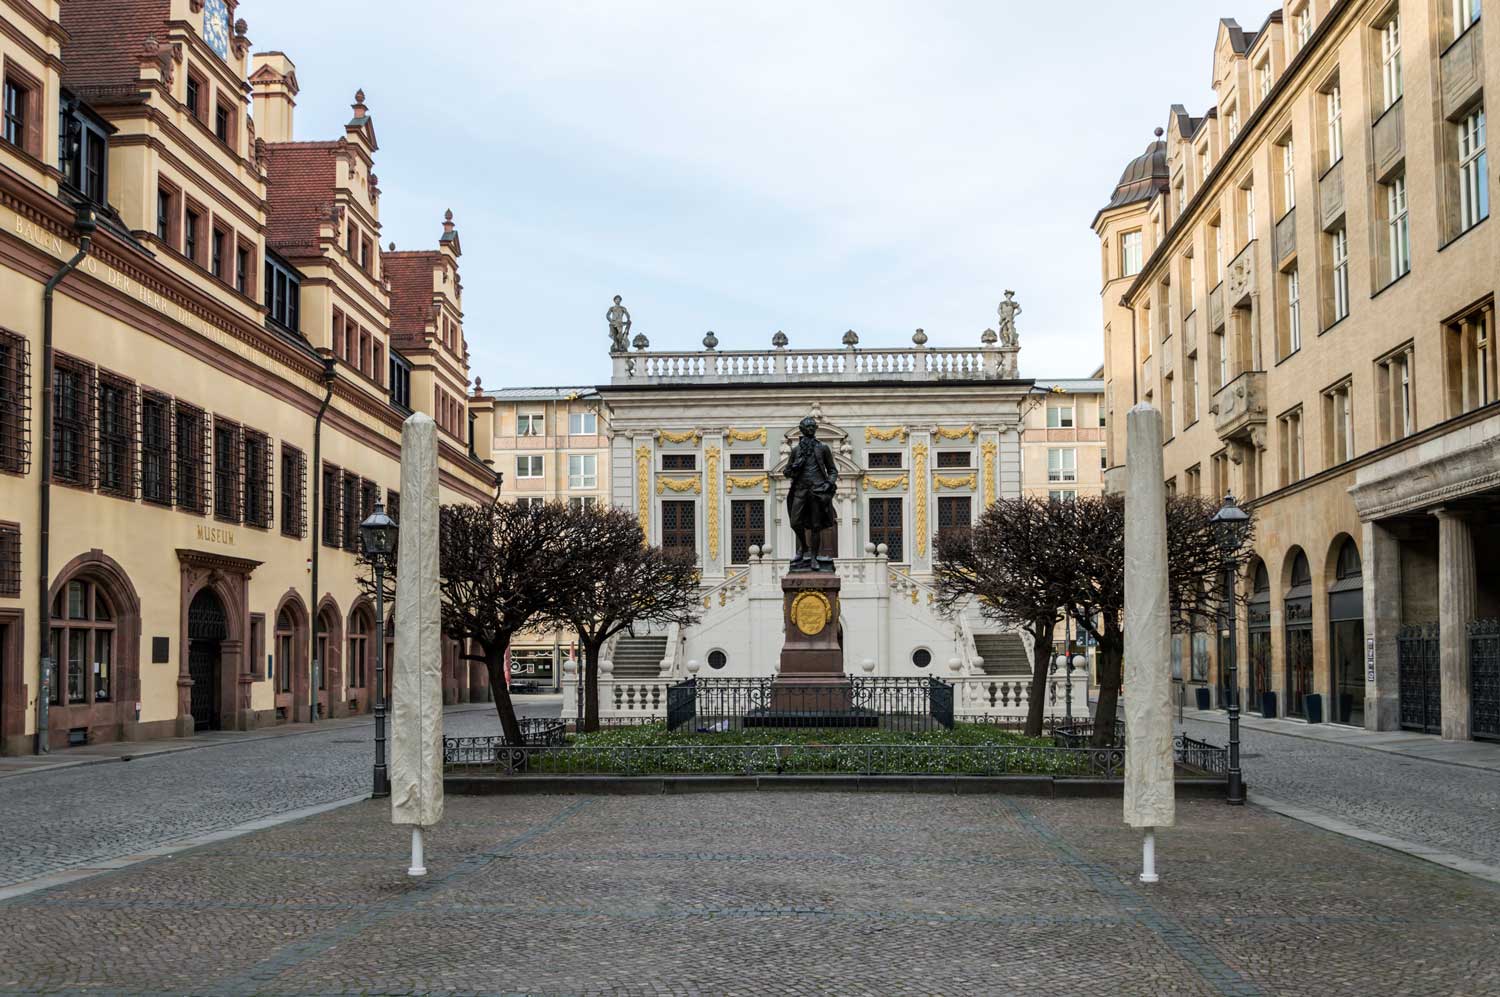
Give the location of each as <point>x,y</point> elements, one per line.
<point>811,679</point>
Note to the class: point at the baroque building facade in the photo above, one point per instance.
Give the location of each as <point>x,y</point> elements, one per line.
<point>1301,279</point>
<point>922,438</point>
<point>205,361</point>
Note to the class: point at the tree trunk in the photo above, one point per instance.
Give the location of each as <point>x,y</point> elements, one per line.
<point>1111,676</point>
<point>494,661</point>
<point>591,686</point>
<point>1041,660</point>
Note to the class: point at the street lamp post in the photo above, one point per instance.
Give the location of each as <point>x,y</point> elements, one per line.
<point>379,535</point>
<point>1068,661</point>
<point>1228,517</point>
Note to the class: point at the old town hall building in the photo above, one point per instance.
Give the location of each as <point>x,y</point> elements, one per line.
<point>205,360</point>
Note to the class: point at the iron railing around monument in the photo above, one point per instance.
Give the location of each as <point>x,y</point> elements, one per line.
<point>708,704</point>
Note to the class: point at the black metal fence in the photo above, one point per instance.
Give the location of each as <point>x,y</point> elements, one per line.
<point>1419,680</point>
<point>725,704</point>
<point>1484,679</point>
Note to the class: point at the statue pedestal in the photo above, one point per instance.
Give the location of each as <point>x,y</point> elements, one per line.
<point>811,687</point>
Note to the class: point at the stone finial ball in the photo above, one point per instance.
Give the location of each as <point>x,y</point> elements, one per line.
<point>693,666</point>
<point>868,665</point>
<point>606,667</point>
<point>884,550</point>
<point>359,96</point>
<point>779,340</point>
<point>870,549</point>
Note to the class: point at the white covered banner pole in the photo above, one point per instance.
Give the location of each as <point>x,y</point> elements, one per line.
<point>417,672</point>
<point>1150,800</point>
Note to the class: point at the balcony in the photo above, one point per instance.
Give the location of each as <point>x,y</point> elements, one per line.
<point>1286,237</point>
<point>1463,70</point>
<point>1216,308</point>
<point>1390,142</point>
<point>1239,279</point>
<point>1240,405</point>
<point>1331,196</point>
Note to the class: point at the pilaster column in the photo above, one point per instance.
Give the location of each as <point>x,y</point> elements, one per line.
<point>716,537</point>
<point>1455,611</point>
<point>1382,598</point>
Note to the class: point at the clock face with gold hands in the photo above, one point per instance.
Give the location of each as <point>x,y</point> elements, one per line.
<point>216,27</point>
<point>811,612</point>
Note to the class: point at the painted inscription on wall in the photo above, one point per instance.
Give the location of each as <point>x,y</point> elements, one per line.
<point>215,535</point>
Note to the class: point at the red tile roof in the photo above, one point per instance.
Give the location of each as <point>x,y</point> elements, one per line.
<point>300,184</point>
<point>106,40</point>
<point>410,274</point>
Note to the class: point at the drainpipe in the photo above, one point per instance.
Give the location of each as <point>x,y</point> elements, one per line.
<point>84,223</point>
<point>330,374</point>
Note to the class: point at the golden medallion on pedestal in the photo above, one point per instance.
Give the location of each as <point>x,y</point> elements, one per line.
<point>811,612</point>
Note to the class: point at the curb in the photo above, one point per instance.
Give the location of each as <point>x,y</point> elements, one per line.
<point>244,737</point>
<point>1426,853</point>
<point>1212,717</point>
<point>75,873</point>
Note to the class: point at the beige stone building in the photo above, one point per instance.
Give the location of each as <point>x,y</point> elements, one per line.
<point>194,424</point>
<point>551,445</point>
<point>1301,278</point>
<point>1063,452</point>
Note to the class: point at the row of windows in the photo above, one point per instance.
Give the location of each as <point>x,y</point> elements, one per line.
<point>358,347</point>
<point>579,424</point>
<point>583,469</point>
<point>111,436</point>
<point>449,412</point>
<point>186,226</point>
<point>348,500</point>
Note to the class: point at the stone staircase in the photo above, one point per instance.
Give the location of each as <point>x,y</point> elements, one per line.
<point>639,658</point>
<point>1004,655</point>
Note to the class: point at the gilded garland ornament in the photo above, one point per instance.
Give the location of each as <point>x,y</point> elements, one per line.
<point>972,432</point>
<point>886,484</point>
<point>643,490</point>
<point>711,465</point>
<point>679,485</point>
<point>747,436</point>
<point>988,449</point>
<point>919,472</point>
<point>761,481</point>
<point>692,435</point>
<point>961,481</point>
<point>811,612</point>
<point>886,435</point>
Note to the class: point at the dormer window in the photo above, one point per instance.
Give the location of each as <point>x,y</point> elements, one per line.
<point>1302,24</point>
<point>84,153</point>
<point>283,294</point>
<point>1232,123</point>
<point>1263,73</point>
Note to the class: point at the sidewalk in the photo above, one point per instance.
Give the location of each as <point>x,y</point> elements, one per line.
<point>1428,747</point>
<point>124,751</point>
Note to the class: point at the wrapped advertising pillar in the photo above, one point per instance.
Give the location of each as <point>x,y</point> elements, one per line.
<point>417,679</point>
<point>1149,791</point>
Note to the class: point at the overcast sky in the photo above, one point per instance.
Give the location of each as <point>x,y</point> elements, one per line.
<point>803,166</point>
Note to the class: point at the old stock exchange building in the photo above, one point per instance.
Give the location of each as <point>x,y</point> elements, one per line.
<point>234,281</point>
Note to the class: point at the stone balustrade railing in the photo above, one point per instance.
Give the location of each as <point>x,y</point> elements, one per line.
<point>783,365</point>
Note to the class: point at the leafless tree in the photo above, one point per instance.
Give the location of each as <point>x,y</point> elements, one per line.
<point>502,566</point>
<point>1200,552</point>
<point>1008,562</point>
<point>615,583</point>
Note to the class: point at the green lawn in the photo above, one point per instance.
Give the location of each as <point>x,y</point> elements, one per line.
<point>967,749</point>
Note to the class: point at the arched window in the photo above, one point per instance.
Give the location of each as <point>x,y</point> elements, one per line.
<point>1296,610</point>
<point>1259,622</point>
<point>360,628</point>
<point>1346,636</point>
<point>83,644</point>
<point>286,650</point>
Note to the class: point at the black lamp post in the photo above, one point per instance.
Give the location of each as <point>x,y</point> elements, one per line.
<point>1230,517</point>
<point>379,535</point>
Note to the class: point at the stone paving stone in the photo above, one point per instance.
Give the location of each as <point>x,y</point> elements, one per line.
<point>793,893</point>
<point>1449,807</point>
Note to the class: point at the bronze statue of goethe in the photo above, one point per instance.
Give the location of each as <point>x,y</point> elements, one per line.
<point>809,502</point>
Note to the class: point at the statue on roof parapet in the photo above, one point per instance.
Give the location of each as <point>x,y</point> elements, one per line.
<point>618,318</point>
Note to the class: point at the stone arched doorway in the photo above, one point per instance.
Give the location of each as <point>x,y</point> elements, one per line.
<point>1297,623</point>
<point>95,645</point>
<point>328,648</point>
<point>289,670</point>
<point>1346,634</point>
<point>1258,629</point>
<point>208,628</point>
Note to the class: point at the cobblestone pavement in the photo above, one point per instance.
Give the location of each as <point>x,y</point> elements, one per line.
<point>51,821</point>
<point>1448,807</point>
<point>766,894</point>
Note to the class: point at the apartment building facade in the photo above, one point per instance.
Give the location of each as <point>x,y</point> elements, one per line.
<point>1301,279</point>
